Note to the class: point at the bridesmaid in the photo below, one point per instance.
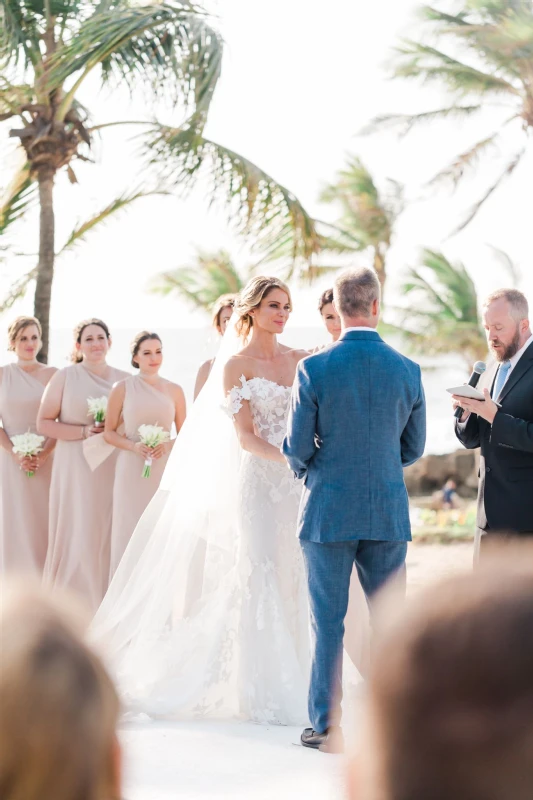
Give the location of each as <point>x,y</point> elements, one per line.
<point>80,500</point>
<point>222,311</point>
<point>331,319</point>
<point>23,500</point>
<point>143,399</point>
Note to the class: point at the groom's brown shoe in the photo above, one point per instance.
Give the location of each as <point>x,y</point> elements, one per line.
<point>331,741</point>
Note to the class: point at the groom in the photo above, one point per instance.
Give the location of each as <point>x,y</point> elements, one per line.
<point>357,418</point>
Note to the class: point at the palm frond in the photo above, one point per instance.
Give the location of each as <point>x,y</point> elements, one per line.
<point>20,35</point>
<point>368,214</point>
<point>79,233</point>
<point>18,290</point>
<point>17,198</point>
<point>203,282</point>
<point>405,122</point>
<point>506,173</point>
<point>13,98</point>
<point>466,160</point>
<point>427,64</point>
<point>167,46</point>
<point>501,32</point>
<point>441,315</point>
<point>259,207</point>
<point>508,264</point>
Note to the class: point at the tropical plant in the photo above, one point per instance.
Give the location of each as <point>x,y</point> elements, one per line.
<point>441,314</point>
<point>368,214</point>
<point>48,50</point>
<point>482,55</point>
<point>203,281</point>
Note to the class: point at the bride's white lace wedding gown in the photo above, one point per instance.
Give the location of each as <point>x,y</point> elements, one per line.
<point>234,641</point>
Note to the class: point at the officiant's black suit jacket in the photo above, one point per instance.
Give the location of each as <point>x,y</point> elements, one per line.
<point>505,496</point>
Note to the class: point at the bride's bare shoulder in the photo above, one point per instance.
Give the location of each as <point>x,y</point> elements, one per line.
<point>297,354</point>
<point>237,365</point>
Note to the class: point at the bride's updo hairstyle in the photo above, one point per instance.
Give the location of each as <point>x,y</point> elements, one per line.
<point>251,297</point>
<point>143,336</point>
<point>76,356</point>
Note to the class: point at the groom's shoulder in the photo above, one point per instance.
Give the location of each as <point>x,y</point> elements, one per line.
<point>313,362</point>
<point>402,361</point>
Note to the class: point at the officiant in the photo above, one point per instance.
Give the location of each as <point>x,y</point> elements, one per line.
<point>502,424</point>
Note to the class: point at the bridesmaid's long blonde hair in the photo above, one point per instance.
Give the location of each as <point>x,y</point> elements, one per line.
<point>251,297</point>
<point>59,708</point>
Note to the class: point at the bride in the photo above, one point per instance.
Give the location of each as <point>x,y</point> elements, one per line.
<point>207,613</point>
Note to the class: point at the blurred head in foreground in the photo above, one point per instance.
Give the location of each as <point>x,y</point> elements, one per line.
<point>450,712</point>
<point>58,706</point>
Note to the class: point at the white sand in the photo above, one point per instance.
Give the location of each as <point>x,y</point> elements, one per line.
<point>208,760</point>
<point>205,760</point>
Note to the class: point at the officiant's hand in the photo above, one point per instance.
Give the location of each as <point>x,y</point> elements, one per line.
<point>487,408</point>
<point>457,403</point>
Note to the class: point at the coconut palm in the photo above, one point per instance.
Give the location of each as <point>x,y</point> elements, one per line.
<point>368,214</point>
<point>482,55</point>
<point>441,315</point>
<point>48,50</point>
<point>205,280</point>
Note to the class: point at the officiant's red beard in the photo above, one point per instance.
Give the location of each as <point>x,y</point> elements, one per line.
<point>502,351</point>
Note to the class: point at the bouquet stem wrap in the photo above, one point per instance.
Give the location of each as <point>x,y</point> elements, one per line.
<point>147,467</point>
<point>151,436</point>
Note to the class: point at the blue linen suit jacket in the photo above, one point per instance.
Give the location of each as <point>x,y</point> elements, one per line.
<point>357,417</point>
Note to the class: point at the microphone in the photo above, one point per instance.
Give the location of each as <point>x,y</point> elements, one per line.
<point>477,371</point>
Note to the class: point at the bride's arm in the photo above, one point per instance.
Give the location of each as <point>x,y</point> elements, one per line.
<point>243,421</point>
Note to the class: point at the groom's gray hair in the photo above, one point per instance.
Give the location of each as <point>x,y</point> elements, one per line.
<point>355,290</point>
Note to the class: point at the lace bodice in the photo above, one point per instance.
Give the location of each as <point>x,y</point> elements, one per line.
<point>269,404</point>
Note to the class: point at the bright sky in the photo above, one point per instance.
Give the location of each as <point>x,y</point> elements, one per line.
<point>300,78</point>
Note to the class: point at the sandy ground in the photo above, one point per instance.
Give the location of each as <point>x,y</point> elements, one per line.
<point>208,760</point>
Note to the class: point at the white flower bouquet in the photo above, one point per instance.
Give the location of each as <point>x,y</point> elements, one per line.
<point>151,436</point>
<point>97,409</point>
<point>27,444</point>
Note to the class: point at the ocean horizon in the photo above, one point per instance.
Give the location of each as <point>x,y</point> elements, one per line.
<point>185,349</point>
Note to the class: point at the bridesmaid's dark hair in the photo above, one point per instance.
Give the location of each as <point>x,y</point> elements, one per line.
<point>18,325</point>
<point>325,299</point>
<point>76,357</point>
<point>143,336</point>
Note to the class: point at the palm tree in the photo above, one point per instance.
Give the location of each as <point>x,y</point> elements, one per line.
<point>441,315</point>
<point>482,55</point>
<point>368,214</point>
<point>49,48</point>
<point>205,280</point>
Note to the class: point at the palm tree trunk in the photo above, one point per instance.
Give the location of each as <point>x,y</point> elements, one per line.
<point>379,266</point>
<point>45,267</point>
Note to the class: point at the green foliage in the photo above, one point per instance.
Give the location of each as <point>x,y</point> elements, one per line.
<point>368,215</point>
<point>441,315</point>
<point>18,197</point>
<point>204,281</point>
<point>48,48</point>
<point>259,206</point>
<point>481,55</point>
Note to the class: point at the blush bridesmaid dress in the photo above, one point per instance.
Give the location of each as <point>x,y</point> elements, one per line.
<point>143,405</point>
<point>81,500</point>
<point>23,500</point>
